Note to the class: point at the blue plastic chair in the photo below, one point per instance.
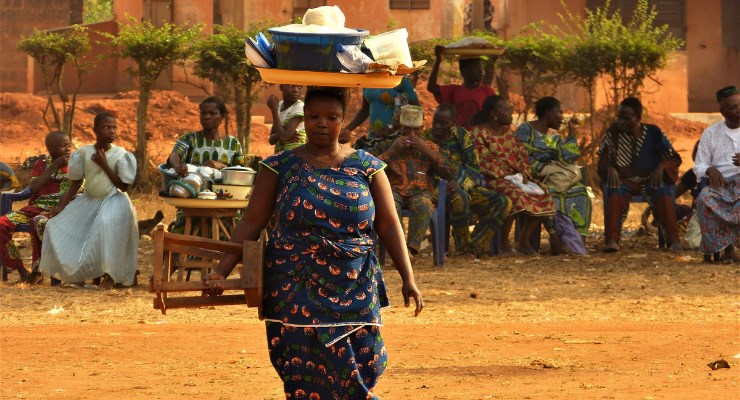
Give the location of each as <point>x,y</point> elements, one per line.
<point>6,205</point>
<point>437,227</point>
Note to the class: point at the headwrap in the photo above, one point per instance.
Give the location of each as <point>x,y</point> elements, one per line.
<point>412,116</point>
<point>726,92</point>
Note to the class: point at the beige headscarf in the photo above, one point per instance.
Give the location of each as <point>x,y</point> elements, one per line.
<point>412,116</point>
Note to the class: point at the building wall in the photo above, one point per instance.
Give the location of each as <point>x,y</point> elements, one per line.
<point>19,18</point>
<point>101,79</point>
<point>373,15</point>
<point>692,75</point>
<point>710,65</point>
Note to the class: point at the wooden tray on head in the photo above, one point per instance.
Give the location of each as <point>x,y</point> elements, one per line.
<point>167,245</point>
<point>377,80</point>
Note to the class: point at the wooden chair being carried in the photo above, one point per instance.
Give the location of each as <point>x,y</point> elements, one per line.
<point>168,245</point>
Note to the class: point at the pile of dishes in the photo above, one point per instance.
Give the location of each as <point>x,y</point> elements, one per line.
<point>232,183</point>
<point>329,54</point>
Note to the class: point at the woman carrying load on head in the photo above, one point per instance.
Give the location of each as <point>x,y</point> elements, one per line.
<point>323,285</point>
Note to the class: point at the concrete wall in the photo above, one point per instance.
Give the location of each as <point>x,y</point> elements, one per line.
<point>692,76</point>
<point>19,18</point>
<point>373,15</point>
<point>710,66</point>
<point>101,79</point>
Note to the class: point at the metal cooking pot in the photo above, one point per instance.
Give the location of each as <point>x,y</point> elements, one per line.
<point>238,176</point>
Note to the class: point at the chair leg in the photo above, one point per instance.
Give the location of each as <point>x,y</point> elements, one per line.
<point>495,244</point>
<point>438,242</point>
<point>4,273</point>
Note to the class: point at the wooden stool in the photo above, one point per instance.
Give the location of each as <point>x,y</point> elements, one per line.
<point>208,218</point>
<point>250,280</point>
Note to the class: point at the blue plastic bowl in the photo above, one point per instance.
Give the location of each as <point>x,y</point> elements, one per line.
<point>312,51</point>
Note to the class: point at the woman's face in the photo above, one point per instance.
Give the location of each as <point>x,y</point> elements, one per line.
<point>291,93</point>
<point>210,116</point>
<point>627,120</point>
<point>554,117</point>
<point>442,122</point>
<point>323,121</point>
<point>502,113</point>
<point>105,130</point>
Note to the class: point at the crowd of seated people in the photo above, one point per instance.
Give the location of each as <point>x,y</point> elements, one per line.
<point>496,175</point>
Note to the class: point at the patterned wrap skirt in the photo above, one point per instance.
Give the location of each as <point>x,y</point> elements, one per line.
<point>719,215</point>
<point>346,370</point>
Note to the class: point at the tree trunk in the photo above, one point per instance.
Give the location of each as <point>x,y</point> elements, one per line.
<point>240,117</point>
<point>142,156</point>
<point>247,93</point>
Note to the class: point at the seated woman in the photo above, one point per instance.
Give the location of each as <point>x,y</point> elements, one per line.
<point>551,154</point>
<point>502,156</point>
<point>207,147</point>
<point>95,235</point>
<point>637,158</point>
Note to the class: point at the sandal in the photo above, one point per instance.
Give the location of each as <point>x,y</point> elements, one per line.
<point>35,278</point>
<point>107,282</point>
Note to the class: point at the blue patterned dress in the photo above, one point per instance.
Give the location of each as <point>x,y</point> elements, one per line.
<point>323,285</point>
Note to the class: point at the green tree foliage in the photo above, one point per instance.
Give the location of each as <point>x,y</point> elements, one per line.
<point>97,11</point>
<point>626,55</point>
<point>53,51</point>
<point>220,58</point>
<point>536,57</point>
<point>152,49</point>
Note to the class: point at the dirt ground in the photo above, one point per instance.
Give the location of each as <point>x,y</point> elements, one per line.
<point>641,324</point>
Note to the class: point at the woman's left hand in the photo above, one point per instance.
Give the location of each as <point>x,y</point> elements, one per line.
<point>409,290</point>
<point>573,125</point>
<point>215,164</point>
<point>211,281</point>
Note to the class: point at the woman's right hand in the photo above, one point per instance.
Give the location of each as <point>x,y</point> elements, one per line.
<point>212,281</point>
<point>612,178</point>
<point>273,102</point>
<point>409,290</point>
<point>182,169</point>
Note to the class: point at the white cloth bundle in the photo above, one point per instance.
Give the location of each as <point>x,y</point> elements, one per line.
<point>530,187</point>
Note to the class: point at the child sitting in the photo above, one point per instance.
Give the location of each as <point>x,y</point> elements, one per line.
<point>287,116</point>
<point>96,235</point>
<point>468,97</point>
<point>48,182</point>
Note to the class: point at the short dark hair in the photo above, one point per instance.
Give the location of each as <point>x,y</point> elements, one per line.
<point>469,62</point>
<point>633,103</point>
<point>339,95</point>
<point>52,135</point>
<point>447,107</point>
<point>484,115</point>
<point>545,104</point>
<point>218,102</point>
<point>99,117</point>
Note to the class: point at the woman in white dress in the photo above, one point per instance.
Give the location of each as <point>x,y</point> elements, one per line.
<point>96,234</point>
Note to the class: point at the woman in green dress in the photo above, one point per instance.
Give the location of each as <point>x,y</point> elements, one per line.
<point>545,149</point>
